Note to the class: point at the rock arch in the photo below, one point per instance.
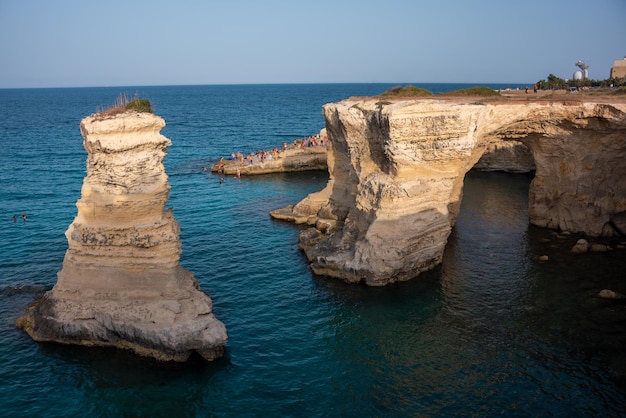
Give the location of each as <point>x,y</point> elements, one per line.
<point>397,170</point>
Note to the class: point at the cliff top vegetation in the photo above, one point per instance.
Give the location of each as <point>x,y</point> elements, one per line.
<point>553,82</point>
<point>472,91</point>
<point>412,91</point>
<point>555,90</point>
<point>123,104</point>
<point>406,91</point>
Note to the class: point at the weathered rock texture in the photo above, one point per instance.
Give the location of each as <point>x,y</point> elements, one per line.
<point>509,156</point>
<point>121,284</point>
<point>397,170</point>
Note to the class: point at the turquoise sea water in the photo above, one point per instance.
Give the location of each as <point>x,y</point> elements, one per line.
<point>492,331</point>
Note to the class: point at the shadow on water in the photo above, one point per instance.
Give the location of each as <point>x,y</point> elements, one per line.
<point>118,383</point>
<point>36,290</point>
<point>564,299</point>
<point>382,340</point>
<point>422,290</point>
<point>97,381</point>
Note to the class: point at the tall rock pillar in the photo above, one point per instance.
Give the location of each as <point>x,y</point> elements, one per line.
<point>121,284</point>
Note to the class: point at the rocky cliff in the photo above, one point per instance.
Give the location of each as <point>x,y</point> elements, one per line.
<point>121,284</point>
<point>397,170</point>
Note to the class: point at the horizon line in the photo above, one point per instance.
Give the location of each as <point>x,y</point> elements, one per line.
<point>263,84</point>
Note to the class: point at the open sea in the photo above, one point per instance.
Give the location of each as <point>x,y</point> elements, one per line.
<point>493,331</point>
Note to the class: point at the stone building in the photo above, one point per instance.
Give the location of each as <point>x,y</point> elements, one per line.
<point>619,69</point>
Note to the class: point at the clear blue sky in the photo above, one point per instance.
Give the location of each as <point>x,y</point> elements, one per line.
<point>45,43</point>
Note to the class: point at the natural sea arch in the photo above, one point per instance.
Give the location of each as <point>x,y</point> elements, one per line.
<point>397,169</point>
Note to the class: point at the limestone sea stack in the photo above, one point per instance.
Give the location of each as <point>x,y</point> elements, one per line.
<point>121,284</point>
<point>397,169</point>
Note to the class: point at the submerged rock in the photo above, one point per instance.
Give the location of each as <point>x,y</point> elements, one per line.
<point>121,284</point>
<point>610,294</point>
<point>599,248</point>
<point>581,246</point>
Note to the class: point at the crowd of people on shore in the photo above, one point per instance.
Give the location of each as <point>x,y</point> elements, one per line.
<point>261,156</point>
<point>311,141</point>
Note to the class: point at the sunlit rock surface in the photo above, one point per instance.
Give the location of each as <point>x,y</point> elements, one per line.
<point>121,284</point>
<point>397,170</point>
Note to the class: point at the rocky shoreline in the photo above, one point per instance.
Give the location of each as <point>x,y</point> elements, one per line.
<point>304,154</point>
<point>291,160</point>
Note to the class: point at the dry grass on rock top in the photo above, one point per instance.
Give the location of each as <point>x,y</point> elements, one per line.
<point>487,95</point>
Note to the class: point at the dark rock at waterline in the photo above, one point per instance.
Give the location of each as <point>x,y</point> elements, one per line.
<point>16,290</point>
<point>582,246</point>
<point>618,221</point>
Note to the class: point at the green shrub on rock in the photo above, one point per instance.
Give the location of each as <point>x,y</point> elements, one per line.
<point>140,105</point>
<point>472,91</point>
<point>407,91</point>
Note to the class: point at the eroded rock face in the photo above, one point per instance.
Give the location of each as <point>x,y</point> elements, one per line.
<point>509,156</point>
<point>121,284</point>
<point>397,170</point>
